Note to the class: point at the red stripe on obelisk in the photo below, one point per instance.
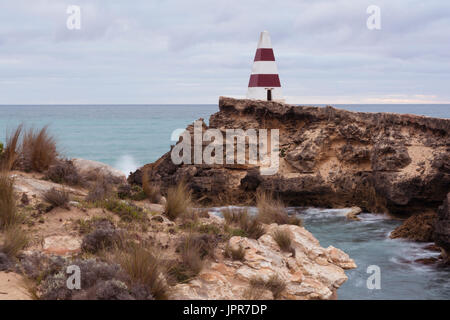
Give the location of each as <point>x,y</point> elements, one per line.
<point>264,80</point>
<point>264,54</point>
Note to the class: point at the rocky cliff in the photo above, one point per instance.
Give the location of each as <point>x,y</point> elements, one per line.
<point>328,157</point>
<point>442,228</point>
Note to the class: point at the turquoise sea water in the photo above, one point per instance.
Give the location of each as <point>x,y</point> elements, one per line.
<point>128,136</point>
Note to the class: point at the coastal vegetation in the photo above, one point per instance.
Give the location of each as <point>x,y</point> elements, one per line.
<point>57,198</point>
<point>283,238</point>
<point>239,217</point>
<point>272,210</point>
<point>178,201</point>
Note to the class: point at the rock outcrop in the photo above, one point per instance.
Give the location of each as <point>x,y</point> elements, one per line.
<point>309,272</point>
<point>90,167</point>
<point>381,162</point>
<point>442,228</point>
<point>418,227</point>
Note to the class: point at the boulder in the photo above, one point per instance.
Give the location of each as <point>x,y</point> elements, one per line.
<point>441,234</point>
<point>29,186</point>
<point>90,167</point>
<point>62,245</point>
<point>418,227</point>
<point>353,213</point>
<point>312,272</point>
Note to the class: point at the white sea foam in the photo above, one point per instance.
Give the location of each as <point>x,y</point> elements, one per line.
<point>126,164</point>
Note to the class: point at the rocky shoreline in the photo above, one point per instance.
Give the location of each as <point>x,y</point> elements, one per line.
<point>80,234</point>
<point>58,213</point>
<point>381,162</point>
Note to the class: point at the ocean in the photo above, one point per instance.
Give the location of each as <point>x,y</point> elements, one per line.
<point>128,136</point>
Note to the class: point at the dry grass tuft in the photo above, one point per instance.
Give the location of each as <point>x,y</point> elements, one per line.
<point>235,253</point>
<point>15,240</point>
<point>9,215</point>
<point>253,228</point>
<point>57,198</point>
<point>144,268</point>
<point>240,217</point>
<point>179,201</point>
<point>193,249</point>
<point>153,193</point>
<point>235,215</point>
<point>270,210</point>
<point>10,154</point>
<point>275,284</point>
<point>38,150</point>
<point>284,239</point>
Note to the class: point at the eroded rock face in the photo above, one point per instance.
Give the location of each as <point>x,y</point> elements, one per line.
<point>442,228</point>
<point>312,272</point>
<point>418,227</point>
<point>328,157</point>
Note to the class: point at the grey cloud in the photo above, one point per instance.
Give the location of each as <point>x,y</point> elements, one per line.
<point>192,52</point>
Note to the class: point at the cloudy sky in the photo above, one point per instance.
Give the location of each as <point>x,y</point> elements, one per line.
<point>169,51</point>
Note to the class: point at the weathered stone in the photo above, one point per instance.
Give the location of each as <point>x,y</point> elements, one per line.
<point>90,167</point>
<point>442,228</point>
<point>353,213</point>
<point>418,227</point>
<point>381,162</point>
<point>313,273</point>
<point>62,245</point>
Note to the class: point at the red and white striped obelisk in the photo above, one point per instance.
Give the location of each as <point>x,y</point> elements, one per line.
<point>264,81</point>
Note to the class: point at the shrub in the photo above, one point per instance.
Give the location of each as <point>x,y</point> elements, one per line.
<point>126,211</point>
<point>209,229</point>
<point>178,201</point>
<point>104,236</point>
<point>38,150</point>
<point>99,281</point>
<point>15,240</point>
<point>236,232</point>
<point>144,268</point>
<point>235,253</point>
<point>8,211</point>
<point>64,171</point>
<point>124,191</point>
<point>270,210</point>
<point>251,227</point>
<point>10,153</point>
<point>57,198</point>
<point>100,189</point>
<point>284,239</point>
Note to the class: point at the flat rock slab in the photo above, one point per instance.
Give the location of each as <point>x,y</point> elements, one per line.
<point>32,186</point>
<point>62,245</point>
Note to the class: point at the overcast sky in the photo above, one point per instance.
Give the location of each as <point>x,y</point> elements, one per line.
<point>168,51</point>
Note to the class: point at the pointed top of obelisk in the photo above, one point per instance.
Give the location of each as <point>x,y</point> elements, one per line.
<point>264,40</point>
